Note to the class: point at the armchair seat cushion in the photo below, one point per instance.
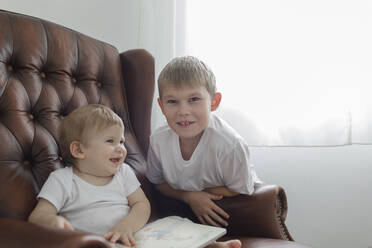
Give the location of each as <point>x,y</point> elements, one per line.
<point>265,243</point>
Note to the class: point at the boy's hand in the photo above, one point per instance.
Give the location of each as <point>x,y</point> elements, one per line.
<point>205,209</point>
<point>61,222</point>
<point>122,233</point>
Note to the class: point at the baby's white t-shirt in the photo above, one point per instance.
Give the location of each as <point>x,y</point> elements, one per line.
<point>87,207</point>
<point>220,159</point>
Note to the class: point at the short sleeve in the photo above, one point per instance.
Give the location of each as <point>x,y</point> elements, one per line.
<point>154,169</point>
<point>129,180</point>
<point>237,172</point>
<point>55,190</point>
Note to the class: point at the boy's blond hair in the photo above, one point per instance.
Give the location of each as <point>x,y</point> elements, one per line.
<point>79,124</point>
<point>187,71</point>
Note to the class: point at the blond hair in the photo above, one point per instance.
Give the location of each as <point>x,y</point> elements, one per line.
<point>78,125</point>
<point>187,71</point>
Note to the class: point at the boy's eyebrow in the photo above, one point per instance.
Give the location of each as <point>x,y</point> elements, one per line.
<point>189,95</point>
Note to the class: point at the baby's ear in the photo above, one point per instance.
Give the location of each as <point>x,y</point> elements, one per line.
<point>76,150</point>
<point>216,100</point>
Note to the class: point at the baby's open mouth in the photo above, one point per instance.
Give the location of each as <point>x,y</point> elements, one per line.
<point>115,160</point>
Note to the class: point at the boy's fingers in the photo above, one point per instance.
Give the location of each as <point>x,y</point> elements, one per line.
<point>219,210</point>
<point>210,221</point>
<point>215,197</point>
<point>217,218</point>
<point>201,219</point>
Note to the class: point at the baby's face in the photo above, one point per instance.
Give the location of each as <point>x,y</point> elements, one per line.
<point>187,110</point>
<point>104,153</point>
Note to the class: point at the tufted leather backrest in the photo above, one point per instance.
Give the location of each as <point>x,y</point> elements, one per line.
<point>46,71</point>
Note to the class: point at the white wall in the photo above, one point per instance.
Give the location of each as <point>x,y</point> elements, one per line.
<point>329,189</point>
<point>329,192</point>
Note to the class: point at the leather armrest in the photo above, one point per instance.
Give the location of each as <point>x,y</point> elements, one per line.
<point>139,79</point>
<point>261,214</point>
<point>17,233</point>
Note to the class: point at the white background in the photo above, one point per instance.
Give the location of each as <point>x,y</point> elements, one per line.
<point>329,190</point>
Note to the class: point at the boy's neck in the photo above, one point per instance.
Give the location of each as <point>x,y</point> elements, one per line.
<point>91,179</point>
<point>188,146</point>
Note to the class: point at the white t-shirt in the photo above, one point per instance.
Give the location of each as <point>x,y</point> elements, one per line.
<point>87,207</point>
<point>220,159</point>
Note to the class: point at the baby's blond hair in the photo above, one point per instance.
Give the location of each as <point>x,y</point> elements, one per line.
<point>77,126</point>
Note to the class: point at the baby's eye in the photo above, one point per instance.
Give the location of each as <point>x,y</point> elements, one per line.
<point>194,99</point>
<point>171,101</point>
<point>110,141</point>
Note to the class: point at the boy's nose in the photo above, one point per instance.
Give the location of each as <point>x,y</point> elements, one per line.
<point>184,109</point>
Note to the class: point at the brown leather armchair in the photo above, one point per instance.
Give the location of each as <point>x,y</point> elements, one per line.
<point>46,71</point>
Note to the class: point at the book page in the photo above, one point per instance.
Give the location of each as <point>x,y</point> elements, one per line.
<point>176,232</point>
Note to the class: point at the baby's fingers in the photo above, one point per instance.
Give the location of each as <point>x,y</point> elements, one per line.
<point>132,241</point>
<point>108,235</point>
<point>67,226</point>
<point>115,238</point>
<point>126,240</point>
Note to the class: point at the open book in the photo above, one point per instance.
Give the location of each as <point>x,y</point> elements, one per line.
<point>176,232</point>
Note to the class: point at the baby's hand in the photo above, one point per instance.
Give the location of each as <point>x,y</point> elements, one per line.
<point>61,222</point>
<point>205,209</point>
<point>122,233</point>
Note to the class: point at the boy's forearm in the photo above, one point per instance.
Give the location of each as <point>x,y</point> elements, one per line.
<point>138,215</point>
<point>221,190</point>
<point>167,190</point>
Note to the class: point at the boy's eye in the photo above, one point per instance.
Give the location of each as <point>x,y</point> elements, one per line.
<point>194,99</point>
<point>110,141</point>
<point>171,101</point>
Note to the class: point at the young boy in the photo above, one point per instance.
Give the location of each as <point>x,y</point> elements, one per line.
<point>197,157</point>
<point>97,192</point>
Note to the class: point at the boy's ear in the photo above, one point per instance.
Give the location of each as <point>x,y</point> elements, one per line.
<point>76,150</point>
<point>160,104</point>
<point>216,100</point>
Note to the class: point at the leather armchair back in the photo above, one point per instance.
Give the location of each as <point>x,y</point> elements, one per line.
<point>46,71</point>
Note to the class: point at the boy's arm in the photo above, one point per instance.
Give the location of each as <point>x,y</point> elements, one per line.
<point>135,220</point>
<point>221,190</point>
<point>45,213</point>
<point>200,202</point>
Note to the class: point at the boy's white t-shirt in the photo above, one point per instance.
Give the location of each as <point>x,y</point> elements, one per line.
<point>87,207</point>
<point>220,159</point>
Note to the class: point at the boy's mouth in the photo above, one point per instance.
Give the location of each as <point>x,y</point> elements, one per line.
<point>185,123</point>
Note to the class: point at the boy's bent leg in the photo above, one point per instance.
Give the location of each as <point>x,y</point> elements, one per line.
<point>234,243</point>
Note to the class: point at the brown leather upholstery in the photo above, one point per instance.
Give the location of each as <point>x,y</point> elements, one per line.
<point>46,71</point>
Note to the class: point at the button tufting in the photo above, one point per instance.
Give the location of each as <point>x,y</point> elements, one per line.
<point>99,85</point>
<point>10,68</point>
<point>42,75</point>
<point>60,158</point>
<point>31,116</point>
<point>26,163</point>
<point>73,80</point>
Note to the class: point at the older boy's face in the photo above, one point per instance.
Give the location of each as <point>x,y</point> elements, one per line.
<point>187,110</point>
